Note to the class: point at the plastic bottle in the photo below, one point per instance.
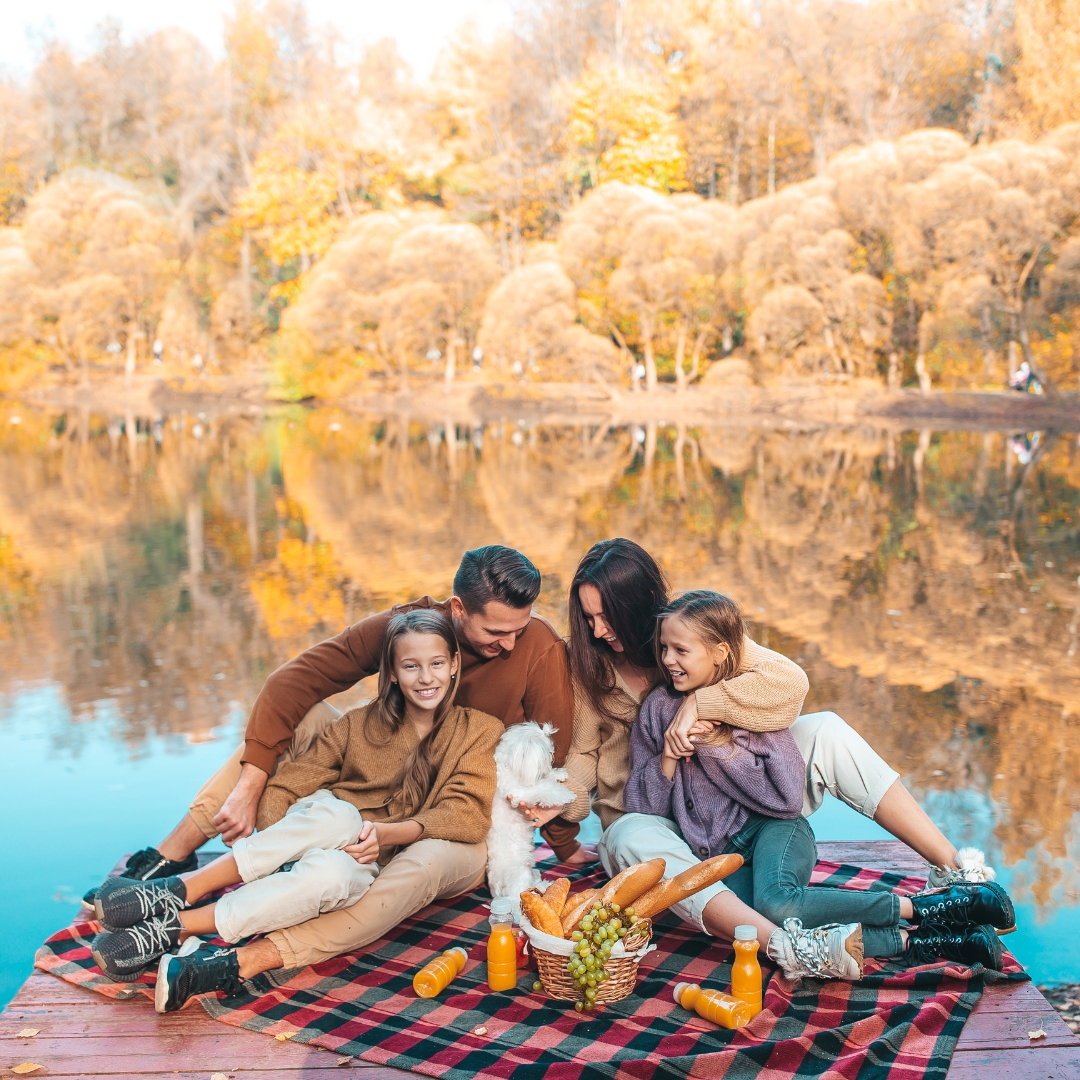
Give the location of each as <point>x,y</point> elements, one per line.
<point>501,949</point>
<point>713,1005</point>
<point>437,974</point>
<point>745,969</point>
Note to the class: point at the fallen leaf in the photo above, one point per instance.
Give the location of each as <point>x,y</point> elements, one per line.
<point>480,1031</point>
<point>281,1036</point>
<point>1040,1034</point>
<point>218,1076</point>
<point>28,1033</point>
<point>344,1061</point>
<point>27,1067</point>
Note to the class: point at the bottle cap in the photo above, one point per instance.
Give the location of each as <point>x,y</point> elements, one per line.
<point>746,933</point>
<point>501,906</point>
<point>679,988</point>
<point>459,949</point>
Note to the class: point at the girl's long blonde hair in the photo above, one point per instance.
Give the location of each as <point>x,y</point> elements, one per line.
<point>717,620</point>
<point>385,719</point>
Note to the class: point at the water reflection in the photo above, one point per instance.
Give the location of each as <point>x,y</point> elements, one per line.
<point>156,568</point>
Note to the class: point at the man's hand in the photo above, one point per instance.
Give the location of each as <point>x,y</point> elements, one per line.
<point>366,848</point>
<point>537,816</point>
<point>236,818</point>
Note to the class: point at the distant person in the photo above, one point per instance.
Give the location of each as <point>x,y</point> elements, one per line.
<point>407,779</point>
<point>159,349</point>
<point>513,667</point>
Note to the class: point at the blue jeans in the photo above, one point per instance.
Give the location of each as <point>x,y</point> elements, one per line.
<point>775,881</point>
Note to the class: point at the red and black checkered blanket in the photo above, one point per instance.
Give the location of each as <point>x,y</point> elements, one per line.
<point>900,1022</point>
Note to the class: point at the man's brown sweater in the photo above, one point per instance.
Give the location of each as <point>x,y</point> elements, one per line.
<point>531,682</point>
<point>362,771</point>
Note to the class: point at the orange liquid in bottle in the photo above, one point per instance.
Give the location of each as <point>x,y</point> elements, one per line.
<point>501,948</point>
<point>745,969</point>
<point>712,1005</point>
<point>437,974</point>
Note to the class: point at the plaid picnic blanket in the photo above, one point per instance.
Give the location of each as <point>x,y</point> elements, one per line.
<point>903,1022</point>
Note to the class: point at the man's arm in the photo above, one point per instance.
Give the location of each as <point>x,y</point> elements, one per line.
<point>548,697</point>
<point>328,668</point>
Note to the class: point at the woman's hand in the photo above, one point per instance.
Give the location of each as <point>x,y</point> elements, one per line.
<point>537,816</point>
<point>366,848</point>
<point>677,738</point>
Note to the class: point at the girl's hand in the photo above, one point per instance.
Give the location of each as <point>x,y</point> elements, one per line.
<point>677,738</point>
<point>366,848</point>
<point>537,816</point>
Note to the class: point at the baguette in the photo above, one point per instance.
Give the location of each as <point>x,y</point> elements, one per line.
<point>555,895</point>
<point>623,889</point>
<point>540,915</point>
<point>575,908</point>
<point>660,897</point>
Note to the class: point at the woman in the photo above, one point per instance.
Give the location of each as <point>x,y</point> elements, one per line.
<point>410,764</point>
<point>615,597</point>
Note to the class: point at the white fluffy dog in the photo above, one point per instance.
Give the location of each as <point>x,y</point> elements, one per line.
<point>523,760</point>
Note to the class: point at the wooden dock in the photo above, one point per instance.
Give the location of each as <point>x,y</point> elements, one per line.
<point>84,1035</point>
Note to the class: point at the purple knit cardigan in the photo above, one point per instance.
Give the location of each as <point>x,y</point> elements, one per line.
<point>714,792</point>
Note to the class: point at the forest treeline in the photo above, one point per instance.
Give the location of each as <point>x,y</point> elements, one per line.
<point>625,191</point>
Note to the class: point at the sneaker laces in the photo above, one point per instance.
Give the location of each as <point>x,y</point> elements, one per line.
<point>150,895</point>
<point>811,948</point>
<point>154,935</point>
<point>220,970</point>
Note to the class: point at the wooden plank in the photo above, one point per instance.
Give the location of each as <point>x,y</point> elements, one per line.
<point>1049,1063</point>
<point>874,855</point>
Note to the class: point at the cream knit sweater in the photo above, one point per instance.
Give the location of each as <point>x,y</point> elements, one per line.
<point>766,695</point>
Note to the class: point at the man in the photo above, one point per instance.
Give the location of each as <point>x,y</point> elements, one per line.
<point>513,667</point>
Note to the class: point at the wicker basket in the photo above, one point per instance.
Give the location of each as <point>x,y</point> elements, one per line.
<point>621,966</point>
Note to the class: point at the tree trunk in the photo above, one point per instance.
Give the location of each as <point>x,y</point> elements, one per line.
<point>650,359</point>
<point>245,272</point>
<point>695,357</point>
<point>680,356</point>
<point>923,373</point>
<point>893,382</point>
<point>129,366</point>
<point>772,155</point>
<point>830,344</point>
<point>452,343</point>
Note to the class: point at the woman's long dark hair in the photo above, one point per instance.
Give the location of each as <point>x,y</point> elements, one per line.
<point>633,591</point>
<point>418,773</point>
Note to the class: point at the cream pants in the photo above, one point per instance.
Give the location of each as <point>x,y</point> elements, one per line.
<point>838,760</point>
<point>323,878</point>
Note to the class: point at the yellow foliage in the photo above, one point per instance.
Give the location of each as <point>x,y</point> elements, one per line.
<point>18,590</point>
<point>299,591</point>
<point>622,127</point>
<point>1048,75</point>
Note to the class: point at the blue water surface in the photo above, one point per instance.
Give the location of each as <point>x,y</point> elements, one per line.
<point>76,798</point>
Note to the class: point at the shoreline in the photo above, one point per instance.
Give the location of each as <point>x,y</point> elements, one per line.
<point>789,406</point>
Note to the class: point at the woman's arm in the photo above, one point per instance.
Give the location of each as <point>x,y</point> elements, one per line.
<point>377,835</point>
<point>763,772</point>
<point>318,767</point>
<point>649,787</point>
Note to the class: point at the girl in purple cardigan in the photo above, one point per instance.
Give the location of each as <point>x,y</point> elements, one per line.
<point>741,791</point>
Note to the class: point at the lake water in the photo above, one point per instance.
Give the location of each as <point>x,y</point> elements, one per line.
<point>153,570</point>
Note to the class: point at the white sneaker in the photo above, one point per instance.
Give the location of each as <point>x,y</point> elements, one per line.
<point>971,869</point>
<point>833,951</point>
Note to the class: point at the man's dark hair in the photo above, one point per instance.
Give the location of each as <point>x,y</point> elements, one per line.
<point>496,573</point>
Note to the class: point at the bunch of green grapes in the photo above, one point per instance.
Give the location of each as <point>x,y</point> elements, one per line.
<point>597,933</point>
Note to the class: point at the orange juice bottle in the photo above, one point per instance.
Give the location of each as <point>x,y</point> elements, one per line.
<point>745,969</point>
<point>713,1005</point>
<point>501,949</point>
<point>436,975</point>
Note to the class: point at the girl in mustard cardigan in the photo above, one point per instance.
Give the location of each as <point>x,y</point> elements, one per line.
<point>410,764</point>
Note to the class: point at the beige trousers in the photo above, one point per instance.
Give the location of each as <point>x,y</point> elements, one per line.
<point>426,871</point>
<point>212,795</point>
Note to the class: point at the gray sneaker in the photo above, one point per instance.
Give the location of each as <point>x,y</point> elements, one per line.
<point>971,870</point>
<point>120,902</point>
<point>125,954</point>
<point>833,951</point>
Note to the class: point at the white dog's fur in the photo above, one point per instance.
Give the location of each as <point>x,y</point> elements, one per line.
<point>523,761</point>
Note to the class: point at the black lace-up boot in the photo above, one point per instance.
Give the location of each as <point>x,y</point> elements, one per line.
<point>180,978</point>
<point>966,945</point>
<point>959,905</point>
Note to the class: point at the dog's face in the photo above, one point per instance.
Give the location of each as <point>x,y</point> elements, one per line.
<point>525,753</point>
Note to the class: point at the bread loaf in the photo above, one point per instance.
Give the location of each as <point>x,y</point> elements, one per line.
<point>555,895</point>
<point>540,915</point>
<point>625,888</point>
<point>575,908</point>
<point>660,897</point>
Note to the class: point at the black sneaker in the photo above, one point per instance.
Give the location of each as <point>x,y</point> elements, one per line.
<point>180,978</point>
<point>147,864</point>
<point>967,945</point>
<point>985,904</point>
<point>124,954</point>
<point>121,902</point>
